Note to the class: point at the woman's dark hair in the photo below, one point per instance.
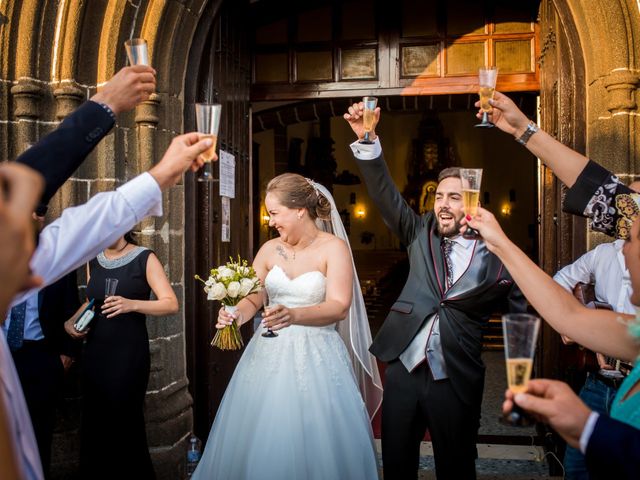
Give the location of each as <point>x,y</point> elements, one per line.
<point>130,237</point>
<point>295,191</point>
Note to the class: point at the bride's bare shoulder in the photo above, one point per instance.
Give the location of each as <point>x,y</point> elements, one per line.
<point>332,242</point>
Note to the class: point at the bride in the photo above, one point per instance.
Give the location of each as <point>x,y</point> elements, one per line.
<point>294,408</point>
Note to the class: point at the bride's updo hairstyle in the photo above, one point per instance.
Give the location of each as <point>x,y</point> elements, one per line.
<point>296,191</point>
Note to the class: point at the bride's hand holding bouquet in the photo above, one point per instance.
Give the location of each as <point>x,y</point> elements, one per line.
<point>229,284</point>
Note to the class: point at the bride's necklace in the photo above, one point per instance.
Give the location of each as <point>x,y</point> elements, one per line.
<point>283,253</point>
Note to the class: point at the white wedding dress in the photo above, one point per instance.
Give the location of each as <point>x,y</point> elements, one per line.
<point>292,410</point>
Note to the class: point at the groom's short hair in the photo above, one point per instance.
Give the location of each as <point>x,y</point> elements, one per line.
<point>449,172</point>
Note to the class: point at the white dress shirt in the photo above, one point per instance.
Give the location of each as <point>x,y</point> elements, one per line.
<point>460,257</point>
<point>73,239</point>
<point>84,231</point>
<point>603,266</point>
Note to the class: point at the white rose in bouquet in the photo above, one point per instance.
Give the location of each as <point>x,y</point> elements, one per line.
<point>225,272</point>
<point>246,285</point>
<point>229,284</point>
<point>233,289</point>
<point>217,292</point>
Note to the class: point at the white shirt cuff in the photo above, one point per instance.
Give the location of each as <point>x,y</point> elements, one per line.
<point>587,431</point>
<point>143,195</point>
<point>364,151</point>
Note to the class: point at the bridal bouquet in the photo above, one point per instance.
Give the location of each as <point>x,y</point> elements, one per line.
<point>229,284</point>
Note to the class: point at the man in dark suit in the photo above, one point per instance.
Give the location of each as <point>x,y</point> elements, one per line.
<point>611,447</point>
<point>40,348</point>
<point>432,338</point>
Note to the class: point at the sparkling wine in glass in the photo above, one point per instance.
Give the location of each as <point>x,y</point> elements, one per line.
<point>267,305</point>
<point>208,123</point>
<point>370,104</point>
<point>520,338</point>
<point>471,179</point>
<point>488,77</point>
<point>137,51</point>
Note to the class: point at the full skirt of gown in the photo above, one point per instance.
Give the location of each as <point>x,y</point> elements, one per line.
<point>292,409</point>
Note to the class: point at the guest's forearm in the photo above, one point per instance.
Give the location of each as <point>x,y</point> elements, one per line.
<point>161,306</point>
<point>565,163</point>
<point>598,330</point>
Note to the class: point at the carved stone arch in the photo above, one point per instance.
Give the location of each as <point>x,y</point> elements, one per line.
<point>612,79</point>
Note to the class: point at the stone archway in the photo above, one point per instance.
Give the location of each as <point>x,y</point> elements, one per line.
<point>612,79</point>
<point>53,53</point>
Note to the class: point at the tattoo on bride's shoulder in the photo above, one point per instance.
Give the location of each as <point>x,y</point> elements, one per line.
<point>281,252</point>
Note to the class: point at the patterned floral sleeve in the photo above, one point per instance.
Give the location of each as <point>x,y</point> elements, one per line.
<point>599,195</point>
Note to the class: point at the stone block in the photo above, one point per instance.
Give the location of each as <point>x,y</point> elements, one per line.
<point>167,361</point>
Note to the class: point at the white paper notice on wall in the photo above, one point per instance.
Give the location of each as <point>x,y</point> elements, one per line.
<point>225,232</point>
<point>227,174</point>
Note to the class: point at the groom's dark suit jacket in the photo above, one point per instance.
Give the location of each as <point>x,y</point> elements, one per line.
<point>485,287</point>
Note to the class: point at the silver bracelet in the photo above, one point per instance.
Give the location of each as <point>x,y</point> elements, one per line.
<point>531,129</point>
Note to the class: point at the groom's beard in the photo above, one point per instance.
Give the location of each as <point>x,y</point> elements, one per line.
<point>450,230</point>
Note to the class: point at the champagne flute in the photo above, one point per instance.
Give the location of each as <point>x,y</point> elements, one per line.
<point>267,305</point>
<point>488,77</point>
<point>520,338</point>
<point>370,104</point>
<point>110,285</point>
<point>208,123</point>
<point>471,179</point>
<point>137,51</point>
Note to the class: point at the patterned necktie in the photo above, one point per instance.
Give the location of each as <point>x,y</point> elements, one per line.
<point>447,247</point>
<point>15,334</point>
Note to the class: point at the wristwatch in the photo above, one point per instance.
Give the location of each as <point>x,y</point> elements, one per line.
<point>531,129</point>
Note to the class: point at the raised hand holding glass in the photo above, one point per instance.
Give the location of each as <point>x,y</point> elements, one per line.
<point>488,77</point>
<point>520,338</point>
<point>208,124</point>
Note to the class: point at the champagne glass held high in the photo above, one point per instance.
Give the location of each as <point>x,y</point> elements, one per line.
<point>520,339</point>
<point>208,124</point>
<point>471,179</point>
<point>267,305</point>
<point>488,77</point>
<point>137,51</point>
<point>370,104</point>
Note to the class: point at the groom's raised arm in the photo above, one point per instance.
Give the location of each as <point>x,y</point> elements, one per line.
<point>395,211</point>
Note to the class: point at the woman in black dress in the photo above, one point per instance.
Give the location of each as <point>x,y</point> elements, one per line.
<point>116,360</point>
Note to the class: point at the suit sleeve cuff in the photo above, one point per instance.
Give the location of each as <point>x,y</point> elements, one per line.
<point>587,431</point>
<point>143,195</point>
<point>363,151</point>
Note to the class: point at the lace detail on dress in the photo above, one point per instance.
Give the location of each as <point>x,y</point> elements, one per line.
<point>306,346</point>
<point>121,261</point>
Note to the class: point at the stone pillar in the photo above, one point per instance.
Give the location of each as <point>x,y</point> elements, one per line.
<point>68,98</point>
<point>27,95</point>
<point>621,86</point>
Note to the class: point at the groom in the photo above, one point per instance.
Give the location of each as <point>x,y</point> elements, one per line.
<point>432,338</point>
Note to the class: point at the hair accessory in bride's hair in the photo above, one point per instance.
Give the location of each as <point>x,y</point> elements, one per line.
<point>313,184</point>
